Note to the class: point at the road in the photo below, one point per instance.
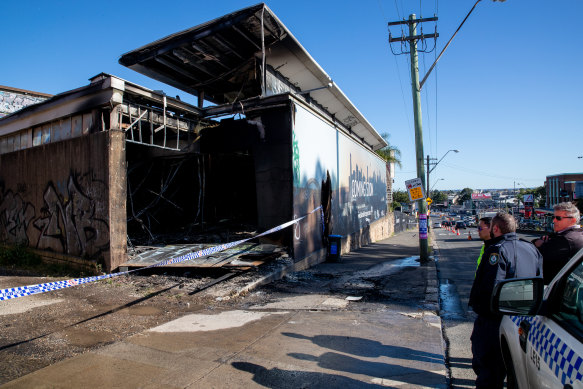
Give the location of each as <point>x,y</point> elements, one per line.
<point>456,264</point>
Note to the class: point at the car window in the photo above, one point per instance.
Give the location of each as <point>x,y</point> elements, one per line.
<point>570,312</point>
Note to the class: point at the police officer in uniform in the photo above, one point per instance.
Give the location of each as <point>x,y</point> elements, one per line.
<point>505,257</point>
<point>484,234</point>
<point>560,246</point>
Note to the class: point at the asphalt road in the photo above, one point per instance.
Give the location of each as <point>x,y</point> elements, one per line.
<point>456,264</point>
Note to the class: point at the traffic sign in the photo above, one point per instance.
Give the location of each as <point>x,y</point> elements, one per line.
<point>415,189</point>
<point>429,201</point>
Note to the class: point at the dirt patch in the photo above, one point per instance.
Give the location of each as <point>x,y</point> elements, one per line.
<point>40,330</point>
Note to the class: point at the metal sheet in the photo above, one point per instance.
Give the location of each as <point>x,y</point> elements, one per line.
<point>235,41</point>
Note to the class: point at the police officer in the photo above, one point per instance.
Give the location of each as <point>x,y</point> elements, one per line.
<point>558,248</point>
<point>484,234</point>
<point>506,257</point>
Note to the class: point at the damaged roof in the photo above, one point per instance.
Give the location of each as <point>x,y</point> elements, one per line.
<point>222,59</point>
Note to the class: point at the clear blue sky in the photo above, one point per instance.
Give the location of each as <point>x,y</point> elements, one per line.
<point>506,93</point>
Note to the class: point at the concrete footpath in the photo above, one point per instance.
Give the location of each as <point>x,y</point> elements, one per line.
<point>367,321</point>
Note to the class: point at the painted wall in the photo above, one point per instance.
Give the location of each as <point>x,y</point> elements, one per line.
<point>55,197</point>
<point>358,178</point>
<point>12,101</point>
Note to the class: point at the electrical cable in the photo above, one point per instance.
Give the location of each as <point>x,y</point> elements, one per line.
<point>482,173</point>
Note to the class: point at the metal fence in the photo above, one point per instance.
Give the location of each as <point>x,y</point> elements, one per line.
<point>404,221</point>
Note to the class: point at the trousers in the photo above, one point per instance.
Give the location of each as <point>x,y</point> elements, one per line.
<point>487,359</point>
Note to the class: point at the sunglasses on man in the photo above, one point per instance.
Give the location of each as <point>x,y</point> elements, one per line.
<point>559,218</point>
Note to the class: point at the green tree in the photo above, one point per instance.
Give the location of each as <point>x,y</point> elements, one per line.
<point>438,196</point>
<point>401,196</point>
<point>390,153</point>
<point>540,196</point>
<point>465,195</point>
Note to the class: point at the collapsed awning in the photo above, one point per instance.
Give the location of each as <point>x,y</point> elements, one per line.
<point>223,59</point>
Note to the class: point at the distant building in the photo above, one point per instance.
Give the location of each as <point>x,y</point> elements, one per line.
<point>563,187</point>
<point>13,99</point>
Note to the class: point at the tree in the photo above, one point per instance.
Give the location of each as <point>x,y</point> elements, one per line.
<point>438,196</point>
<point>401,196</point>
<point>391,154</point>
<point>540,196</point>
<point>465,195</point>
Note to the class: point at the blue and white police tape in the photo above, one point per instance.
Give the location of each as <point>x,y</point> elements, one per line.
<point>21,291</point>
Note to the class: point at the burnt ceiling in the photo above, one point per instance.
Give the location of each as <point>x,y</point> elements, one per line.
<point>222,62</point>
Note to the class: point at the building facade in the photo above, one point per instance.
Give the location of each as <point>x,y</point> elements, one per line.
<point>563,187</point>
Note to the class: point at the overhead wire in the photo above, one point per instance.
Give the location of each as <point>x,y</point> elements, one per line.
<point>488,174</point>
<point>406,108</point>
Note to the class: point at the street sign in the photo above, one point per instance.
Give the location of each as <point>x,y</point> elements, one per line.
<point>415,189</point>
<point>429,201</point>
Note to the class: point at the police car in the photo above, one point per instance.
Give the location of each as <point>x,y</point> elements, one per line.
<point>541,334</point>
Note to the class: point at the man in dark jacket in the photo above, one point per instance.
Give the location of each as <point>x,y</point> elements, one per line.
<point>559,247</point>
<point>484,234</point>
<point>506,257</point>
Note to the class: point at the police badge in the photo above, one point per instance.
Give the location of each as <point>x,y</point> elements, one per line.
<point>494,258</point>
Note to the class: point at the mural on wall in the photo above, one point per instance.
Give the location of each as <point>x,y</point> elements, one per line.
<point>70,219</point>
<point>357,178</point>
<point>362,189</point>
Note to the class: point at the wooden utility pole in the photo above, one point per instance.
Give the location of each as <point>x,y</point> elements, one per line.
<point>412,40</point>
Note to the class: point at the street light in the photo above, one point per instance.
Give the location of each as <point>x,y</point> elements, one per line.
<point>516,200</point>
<point>435,183</point>
<point>434,166</point>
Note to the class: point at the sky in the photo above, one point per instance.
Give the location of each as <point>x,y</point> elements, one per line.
<point>506,93</point>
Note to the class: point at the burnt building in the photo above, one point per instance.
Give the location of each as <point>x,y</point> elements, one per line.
<point>95,173</point>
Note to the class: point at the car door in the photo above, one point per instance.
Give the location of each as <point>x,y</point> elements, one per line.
<point>554,352</point>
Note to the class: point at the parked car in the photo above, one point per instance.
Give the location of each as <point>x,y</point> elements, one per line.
<point>460,225</point>
<point>436,224</point>
<point>541,333</point>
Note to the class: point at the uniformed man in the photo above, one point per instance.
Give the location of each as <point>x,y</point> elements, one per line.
<point>484,234</point>
<point>506,257</point>
<point>560,246</point>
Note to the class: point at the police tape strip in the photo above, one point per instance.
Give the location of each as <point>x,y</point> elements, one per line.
<point>21,291</point>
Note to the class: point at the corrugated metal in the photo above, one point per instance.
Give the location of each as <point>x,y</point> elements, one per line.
<point>223,58</point>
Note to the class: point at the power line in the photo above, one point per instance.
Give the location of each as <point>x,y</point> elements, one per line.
<point>482,173</point>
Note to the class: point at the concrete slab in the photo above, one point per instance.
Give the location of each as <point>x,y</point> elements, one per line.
<point>310,301</point>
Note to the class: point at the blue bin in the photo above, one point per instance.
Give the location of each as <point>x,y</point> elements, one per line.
<point>334,247</point>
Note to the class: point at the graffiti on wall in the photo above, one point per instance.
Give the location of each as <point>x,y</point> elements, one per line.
<point>69,219</point>
<point>11,102</point>
<point>15,217</point>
